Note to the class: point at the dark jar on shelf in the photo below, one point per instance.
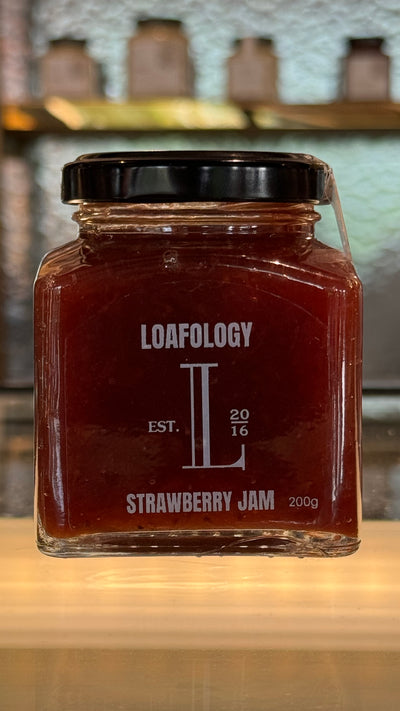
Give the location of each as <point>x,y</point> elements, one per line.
<point>253,72</point>
<point>198,361</point>
<point>366,71</point>
<point>159,62</point>
<point>67,70</point>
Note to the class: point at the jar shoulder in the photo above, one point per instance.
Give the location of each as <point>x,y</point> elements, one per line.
<point>155,256</point>
<point>61,260</point>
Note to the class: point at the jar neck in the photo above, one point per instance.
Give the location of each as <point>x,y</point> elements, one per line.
<point>238,217</point>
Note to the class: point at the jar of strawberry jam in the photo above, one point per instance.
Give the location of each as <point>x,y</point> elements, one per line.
<point>198,361</point>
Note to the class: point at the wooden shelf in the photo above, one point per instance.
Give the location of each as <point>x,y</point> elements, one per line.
<point>338,116</point>
<point>199,633</point>
<point>60,115</point>
<point>205,603</point>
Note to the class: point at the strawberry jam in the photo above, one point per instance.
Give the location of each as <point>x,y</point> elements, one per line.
<point>198,362</point>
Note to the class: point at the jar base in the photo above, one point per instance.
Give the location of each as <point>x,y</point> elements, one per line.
<point>270,542</point>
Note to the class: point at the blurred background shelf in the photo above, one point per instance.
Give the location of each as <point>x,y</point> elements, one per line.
<point>61,115</point>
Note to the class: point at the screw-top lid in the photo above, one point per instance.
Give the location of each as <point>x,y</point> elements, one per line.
<point>70,41</point>
<point>166,21</point>
<point>365,42</point>
<point>268,41</point>
<point>196,176</point>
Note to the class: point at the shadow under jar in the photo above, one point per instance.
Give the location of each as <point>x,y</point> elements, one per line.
<point>198,362</point>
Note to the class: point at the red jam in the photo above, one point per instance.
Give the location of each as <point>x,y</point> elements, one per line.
<point>197,384</point>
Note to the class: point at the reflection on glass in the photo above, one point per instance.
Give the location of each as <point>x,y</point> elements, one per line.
<point>381,455</point>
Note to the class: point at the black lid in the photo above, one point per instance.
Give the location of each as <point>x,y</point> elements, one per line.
<point>365,42</point>
<point>259,40</point>
<point>170,21</point>
<point>71,41</point>
<point>196,176</point>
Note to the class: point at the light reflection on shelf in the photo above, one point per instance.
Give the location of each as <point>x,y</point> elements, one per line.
<point>212,602</point>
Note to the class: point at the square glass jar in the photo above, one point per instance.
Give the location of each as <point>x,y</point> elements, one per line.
<point>198,362</point>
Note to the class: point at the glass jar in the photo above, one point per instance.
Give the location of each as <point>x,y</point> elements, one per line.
<point>366,75</point>
<point>67,70</point>
<point>198,362</point>
<point>159,63</point>
<point>253,72</point>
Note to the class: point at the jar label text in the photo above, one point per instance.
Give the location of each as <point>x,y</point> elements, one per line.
<point>195,335</point>
<point>199,501</point>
